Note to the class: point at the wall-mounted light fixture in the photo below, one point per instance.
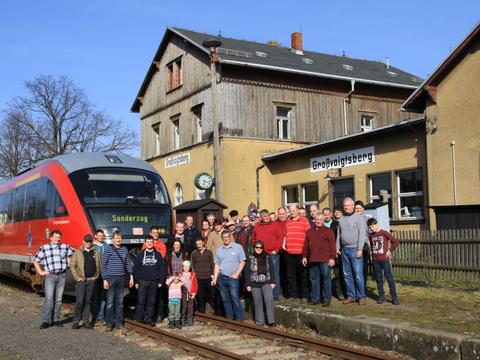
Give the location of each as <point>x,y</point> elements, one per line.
<point>333,174</point>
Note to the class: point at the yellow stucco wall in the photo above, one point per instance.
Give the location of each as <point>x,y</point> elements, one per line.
<point>201,160</point>
<point>402,150</point>
<point>239,157</point>
<point>456,116</point>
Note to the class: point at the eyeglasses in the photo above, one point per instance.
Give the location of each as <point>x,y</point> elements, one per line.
<point>258,247</point>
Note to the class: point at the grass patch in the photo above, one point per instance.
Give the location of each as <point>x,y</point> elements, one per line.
<point>441,306</point>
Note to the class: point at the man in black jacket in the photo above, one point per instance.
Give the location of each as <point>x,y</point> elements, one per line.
<point>149,274</point>
<point>191,235</point>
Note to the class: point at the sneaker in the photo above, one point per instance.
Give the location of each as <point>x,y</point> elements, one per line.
<point>362,302</point>
<point>326,303</point>
<point>87,325</point>
<point>160,320</point>
<point>44,326</point>
<point>171,325</point>
<point>58,323</point>
<point>75,325</point>
<point>314,302</point>
<point>395,302</point>
<point>348,301</point>
<point>109,328</point>
<point>380,301</point>
<point>178,325</point>
<point>341,297</point>
<point>272,324</point>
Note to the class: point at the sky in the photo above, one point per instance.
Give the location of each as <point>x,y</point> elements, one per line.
<point>106,46</point>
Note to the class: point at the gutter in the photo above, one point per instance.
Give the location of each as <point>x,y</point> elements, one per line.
<point>257,171</point>
<point>346,100</point>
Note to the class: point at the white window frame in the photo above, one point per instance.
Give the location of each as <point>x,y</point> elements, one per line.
<point>308,203</point>
<point>279,122</point>
<point>377,197</point>
<point>365,128</point>
<point>156,130</point>
<point>401,195</point>
<point>197,116</point>
<point>178,194</point>
<point>176,132</point>
<point>285,195</point>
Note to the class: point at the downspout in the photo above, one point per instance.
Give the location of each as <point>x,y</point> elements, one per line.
<point>454,172</point>
<point>257,170</point>
<point>346,100</point>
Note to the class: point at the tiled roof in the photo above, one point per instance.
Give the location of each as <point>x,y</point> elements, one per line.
<point>280,58</point>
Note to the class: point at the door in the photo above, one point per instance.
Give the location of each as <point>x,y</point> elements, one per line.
<point>341,189</point>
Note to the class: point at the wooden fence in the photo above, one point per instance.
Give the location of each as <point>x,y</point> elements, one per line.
<point>438,255</point>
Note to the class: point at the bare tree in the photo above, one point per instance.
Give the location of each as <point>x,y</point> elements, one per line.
<point>55,118</point>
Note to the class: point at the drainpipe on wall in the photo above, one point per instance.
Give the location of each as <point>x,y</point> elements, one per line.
<point>454,172</point>
<point>346,100</point>
<point>257,170</point>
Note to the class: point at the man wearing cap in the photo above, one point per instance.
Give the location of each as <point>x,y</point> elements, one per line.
<point>236,220</point>
<point>55,258</point>
<point>85,269</point>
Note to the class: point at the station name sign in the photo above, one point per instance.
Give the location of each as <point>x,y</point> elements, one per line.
<point>341,160</point>
<point>177,160</point>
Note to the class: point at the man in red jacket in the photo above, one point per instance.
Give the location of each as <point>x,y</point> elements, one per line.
<point>295,232</point>
<point>319,251</point>
<point>271,235</point>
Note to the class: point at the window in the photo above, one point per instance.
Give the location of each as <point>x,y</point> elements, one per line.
<point>290,195</point>
<point>6,208</point>
<point>197,118</point>
<point>410,194</point>
<point>156,131</point>
<point>341,189</point>
<point>55,206</point>
<point>309,194</point>
<point>30,211</point>
<point>283,120</point>
<point>178,194</point>
<point>366,123</point>
<point>174,74</point>
<point>379,183</point>
<point>176,132</point>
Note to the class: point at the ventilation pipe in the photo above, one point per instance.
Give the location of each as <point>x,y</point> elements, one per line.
<point>346,100</point>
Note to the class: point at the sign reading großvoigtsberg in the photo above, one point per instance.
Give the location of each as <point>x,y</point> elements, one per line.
<point>344,159</point>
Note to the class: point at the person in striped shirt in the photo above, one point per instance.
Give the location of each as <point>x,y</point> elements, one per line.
<point>115,265</point>
<point>295,232</point>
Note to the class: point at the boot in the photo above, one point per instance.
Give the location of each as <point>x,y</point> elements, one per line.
<point>171,324</point>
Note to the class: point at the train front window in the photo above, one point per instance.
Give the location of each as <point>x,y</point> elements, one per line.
<point>119,187</point>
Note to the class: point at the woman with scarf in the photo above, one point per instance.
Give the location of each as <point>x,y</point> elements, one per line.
<point>260,281</point>
<point>175,257</point>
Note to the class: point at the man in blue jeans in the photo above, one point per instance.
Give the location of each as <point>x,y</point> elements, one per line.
<point>55,259</point>
<point>351,237</point>
<point>319,253</point>
<point>229,262</point>
<point>116,264</point>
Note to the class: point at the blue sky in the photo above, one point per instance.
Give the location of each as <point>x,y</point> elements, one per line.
<point>105,46</point>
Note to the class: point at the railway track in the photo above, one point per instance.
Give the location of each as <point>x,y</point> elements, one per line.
<point>215,337</point>
<point>219,338</point>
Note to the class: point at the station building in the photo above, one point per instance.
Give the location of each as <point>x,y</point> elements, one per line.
<point>270,98</point>
<point>303,127</point>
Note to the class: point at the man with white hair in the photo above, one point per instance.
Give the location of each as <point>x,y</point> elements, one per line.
<point>351,236</point>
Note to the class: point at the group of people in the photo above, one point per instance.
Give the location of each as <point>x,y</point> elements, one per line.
<point>224,260</point>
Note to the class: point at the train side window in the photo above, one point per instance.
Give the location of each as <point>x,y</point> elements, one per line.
<point>55,205</point>
<point>9,208</point>
<point>18,204</point>
<point>30,211</point>
<point>3,209</point>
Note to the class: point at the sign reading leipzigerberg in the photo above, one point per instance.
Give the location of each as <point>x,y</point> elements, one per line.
<point>354,157</point>
<point>176,160</point>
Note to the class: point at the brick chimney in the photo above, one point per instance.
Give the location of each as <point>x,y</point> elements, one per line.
<point>273,42</point>
<point>297,46</point>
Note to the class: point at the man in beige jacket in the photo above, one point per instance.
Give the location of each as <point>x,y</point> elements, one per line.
<point>85,268</point>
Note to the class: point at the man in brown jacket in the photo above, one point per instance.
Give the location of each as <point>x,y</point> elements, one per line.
<point>85,268</point>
